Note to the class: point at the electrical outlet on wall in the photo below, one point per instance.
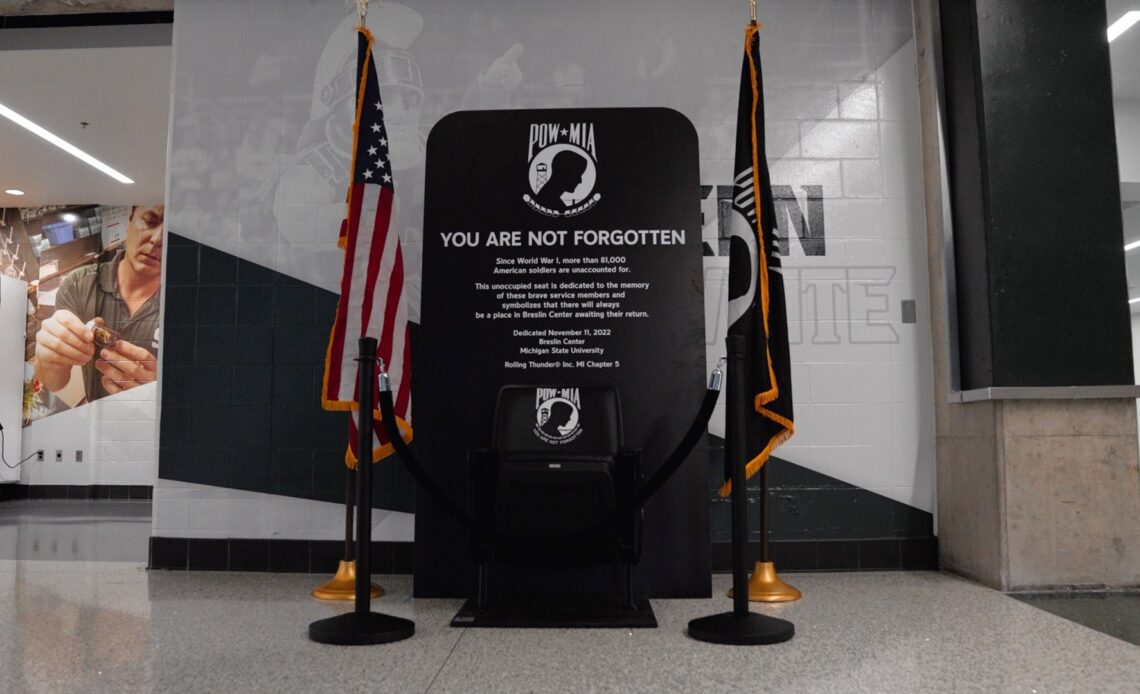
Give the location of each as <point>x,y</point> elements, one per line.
<point>59,455</point>
<point>40,455</point>
<point>78,456</point>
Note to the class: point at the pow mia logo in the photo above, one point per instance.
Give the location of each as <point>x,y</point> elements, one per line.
<point>563,169</point>
<point>556,413</point>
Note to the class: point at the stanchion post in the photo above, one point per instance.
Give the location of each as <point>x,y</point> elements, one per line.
<point>349,507</point>
<point>739,627</point>
<point>765,585</point>
<point>736,448</point>
<point>366,393</point>
<point>344,585</point>
<point>362,626</point>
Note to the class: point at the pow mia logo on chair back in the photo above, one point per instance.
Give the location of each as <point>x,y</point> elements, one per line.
<point>556,416</point>
<point>563,169</point>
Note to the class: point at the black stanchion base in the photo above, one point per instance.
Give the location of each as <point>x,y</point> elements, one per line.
<point>355,630</point>
<point>750,630</point>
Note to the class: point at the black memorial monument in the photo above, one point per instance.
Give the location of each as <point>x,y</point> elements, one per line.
<point>562,248</point>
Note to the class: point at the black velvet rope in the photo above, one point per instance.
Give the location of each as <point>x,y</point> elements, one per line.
<point>419,474</point>
<point>459,514</point>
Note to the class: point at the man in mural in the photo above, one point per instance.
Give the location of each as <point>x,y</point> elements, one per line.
<point>106,316</point>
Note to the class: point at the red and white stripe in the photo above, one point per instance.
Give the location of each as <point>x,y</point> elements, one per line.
<point>372,301</point>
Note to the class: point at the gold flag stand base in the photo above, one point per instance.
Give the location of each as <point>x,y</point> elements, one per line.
<point>765,586</point>
<point>343,585</point>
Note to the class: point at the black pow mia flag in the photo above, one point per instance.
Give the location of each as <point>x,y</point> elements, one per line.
<point>756,307</point>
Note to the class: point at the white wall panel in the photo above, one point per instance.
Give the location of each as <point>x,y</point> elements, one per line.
<point>117,434</point>
<point>13,318</point>
<point>249,124</point>
<point>183,509</point>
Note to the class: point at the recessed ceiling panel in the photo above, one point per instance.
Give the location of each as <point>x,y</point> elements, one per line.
<point>122,94</point>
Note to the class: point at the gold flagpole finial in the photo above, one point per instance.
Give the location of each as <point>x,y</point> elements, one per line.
<point>752,10</point>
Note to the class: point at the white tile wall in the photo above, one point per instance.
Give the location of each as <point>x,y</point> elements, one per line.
<point>117,434</point>
<point>863,178</point>
<point>183,509</point>
<point>13,302</point>
<point>850,383</point>
<point>858,100</point>
<point>870,423</point>
<point>839,139</point>
<point>862,380</point>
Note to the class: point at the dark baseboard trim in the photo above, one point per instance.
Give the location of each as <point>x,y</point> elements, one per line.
<point>121,492</point>
<point>874,554</point>
<point>86,19</point>
<point>321,556</point>
<point>298,556</point>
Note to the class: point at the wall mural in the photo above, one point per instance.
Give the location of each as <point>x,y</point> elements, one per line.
<point>259,157</point>
<point>94,276</point>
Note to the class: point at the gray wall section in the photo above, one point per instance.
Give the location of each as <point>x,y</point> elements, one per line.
<point>966,165</point>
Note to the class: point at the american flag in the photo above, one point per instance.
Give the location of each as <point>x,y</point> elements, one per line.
<point>372,301</point>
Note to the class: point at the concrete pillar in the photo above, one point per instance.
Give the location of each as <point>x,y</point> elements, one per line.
<point>1032,494</point>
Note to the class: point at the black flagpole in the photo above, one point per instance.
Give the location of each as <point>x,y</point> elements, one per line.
<point>342,586</point>
<point>366,373</point>
<point>736,407</point>
<point>764,557</point>
<point>363,626</point>
<point>740,627</point>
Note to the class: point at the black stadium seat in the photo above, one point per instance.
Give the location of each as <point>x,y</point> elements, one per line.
<point>556,466</point>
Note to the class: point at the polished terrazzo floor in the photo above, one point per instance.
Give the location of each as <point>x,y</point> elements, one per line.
<point>62,530</point>
<point>1116,614</point>
<point>108,626</point>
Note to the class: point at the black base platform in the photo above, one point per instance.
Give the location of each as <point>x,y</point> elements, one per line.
<point>749,630</point>
<point>579,612</point>
<point>361,630</point>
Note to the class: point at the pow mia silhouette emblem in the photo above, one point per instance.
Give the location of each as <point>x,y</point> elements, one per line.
<point>556,415</point>
<point>563,169</point>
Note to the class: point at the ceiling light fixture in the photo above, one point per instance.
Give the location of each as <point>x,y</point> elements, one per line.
<point>69,217</point>
<point>13,191</point>
<point>61,143</point>
<point>1132,301</point>
<point>1130,246</point>
<point>1123,24</point>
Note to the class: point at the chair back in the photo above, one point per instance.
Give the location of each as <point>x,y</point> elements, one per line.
<point>569,420</point>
